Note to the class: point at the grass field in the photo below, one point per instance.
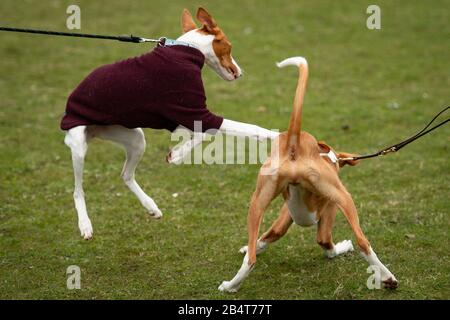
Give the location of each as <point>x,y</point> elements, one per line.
<point>382,85</point>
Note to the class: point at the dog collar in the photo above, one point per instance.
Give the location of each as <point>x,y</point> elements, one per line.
<point>331,155</point>
<point>166,42</point>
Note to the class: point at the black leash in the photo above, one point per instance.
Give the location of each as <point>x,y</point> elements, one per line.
<point>130,38</point>
<point>398,146</point>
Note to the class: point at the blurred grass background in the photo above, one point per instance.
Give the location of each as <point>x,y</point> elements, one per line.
<point>381,85</point>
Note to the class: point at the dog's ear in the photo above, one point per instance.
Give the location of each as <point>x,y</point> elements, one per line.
<point>206,20</point>
<point>349,162</point>
<point>323,147</point>
<point>187,22</point>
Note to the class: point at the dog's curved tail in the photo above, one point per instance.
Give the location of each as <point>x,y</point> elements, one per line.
<point>295,124</point>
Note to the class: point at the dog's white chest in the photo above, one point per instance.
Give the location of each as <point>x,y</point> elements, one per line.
<point>297,208</point>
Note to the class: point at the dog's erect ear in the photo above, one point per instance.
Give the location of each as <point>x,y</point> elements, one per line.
<point>323,147</point>
<point>187,22</point>
<point>206,20</point>
<point>349,162</point>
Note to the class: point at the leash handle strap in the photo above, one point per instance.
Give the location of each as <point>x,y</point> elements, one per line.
<point>130,38</point>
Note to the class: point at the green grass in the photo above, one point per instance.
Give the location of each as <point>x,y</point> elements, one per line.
<point>355,76</point>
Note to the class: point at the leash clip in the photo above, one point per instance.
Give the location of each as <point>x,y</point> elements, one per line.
<point>391,149</point>
<point>162,41</point>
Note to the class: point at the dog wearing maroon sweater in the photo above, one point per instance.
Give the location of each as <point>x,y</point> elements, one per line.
<point>161,89</point>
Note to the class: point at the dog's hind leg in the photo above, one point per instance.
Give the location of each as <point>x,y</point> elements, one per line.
<point>133,140</point>
<point>266,190</point>
<point>346,204</point>
<point>324,232</point>
<point>278,229</point>
<point>76,140</point>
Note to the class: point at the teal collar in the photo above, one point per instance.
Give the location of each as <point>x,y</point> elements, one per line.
<point>166,42</point>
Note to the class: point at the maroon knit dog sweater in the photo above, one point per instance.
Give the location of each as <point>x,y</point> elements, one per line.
<point>161,90</point>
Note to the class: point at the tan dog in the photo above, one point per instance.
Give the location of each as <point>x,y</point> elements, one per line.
<point>305,172</point>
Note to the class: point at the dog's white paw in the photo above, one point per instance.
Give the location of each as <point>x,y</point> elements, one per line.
<point>243,250</point>
<point>227,286</point>
<point>155,213</point>
<point>344,246</point>
<point>152,208</point>
<point>175,157</point>
<point>86,230</point>
<point>389,281</point>
<point>261,246</point>
<point>340,248</point>
<point>177,154</point>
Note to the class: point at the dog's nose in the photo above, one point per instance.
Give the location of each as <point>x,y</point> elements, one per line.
<point>237,74</point>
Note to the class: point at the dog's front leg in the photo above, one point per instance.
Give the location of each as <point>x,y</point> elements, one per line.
<point>348,208</point>
<point>241,129</point>
<point>266,190</point>
<point>228,127</point>
<point>255,214</point>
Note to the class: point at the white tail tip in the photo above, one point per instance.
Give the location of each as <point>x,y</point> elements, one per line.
<point>293,61</point>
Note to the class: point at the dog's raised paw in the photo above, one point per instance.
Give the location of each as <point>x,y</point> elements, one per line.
<point>169,157</point>
<point>227,287</point>
<point>174,157</point>
<point>86,229</point>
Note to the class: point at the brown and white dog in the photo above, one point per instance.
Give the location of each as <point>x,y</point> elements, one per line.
<point>305,172</point>
<point>211,41</point>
